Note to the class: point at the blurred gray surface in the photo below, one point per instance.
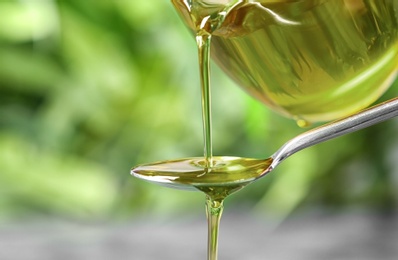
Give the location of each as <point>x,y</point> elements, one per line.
<point>358,236</point>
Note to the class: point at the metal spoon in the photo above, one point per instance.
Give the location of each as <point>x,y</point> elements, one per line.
<point>194,173</point>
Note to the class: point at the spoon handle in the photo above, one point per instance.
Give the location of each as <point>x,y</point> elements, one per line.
<point>363,119</point>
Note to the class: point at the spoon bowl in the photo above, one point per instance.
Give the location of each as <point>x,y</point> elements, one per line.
<point>194,173</point>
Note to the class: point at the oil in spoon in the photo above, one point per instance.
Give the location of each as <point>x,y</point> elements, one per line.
<point>225,176</point>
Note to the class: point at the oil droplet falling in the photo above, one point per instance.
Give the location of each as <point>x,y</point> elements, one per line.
<point>303,123</point>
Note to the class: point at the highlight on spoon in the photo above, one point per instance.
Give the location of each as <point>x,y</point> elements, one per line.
<point>193,173</point>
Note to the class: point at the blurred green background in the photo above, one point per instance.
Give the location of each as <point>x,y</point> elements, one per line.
<point>90,88</point>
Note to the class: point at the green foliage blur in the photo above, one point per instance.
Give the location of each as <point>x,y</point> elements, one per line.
<point>90,88</point>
